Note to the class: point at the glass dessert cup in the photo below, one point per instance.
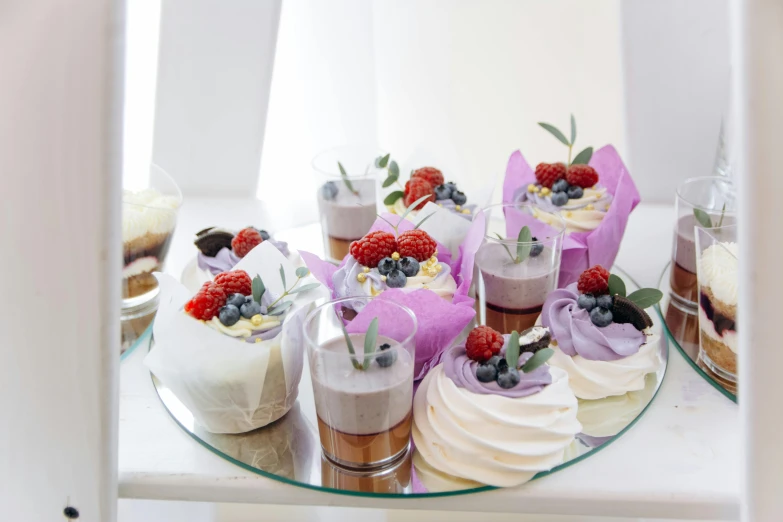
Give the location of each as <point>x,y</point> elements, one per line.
<point>718,278</point>
<point>347,204</point>
<point>149,216</point>
<point>511,291</point>
<point>709,200</point>
<point>364,399</point>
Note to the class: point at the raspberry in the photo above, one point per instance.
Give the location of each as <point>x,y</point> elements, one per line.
<point>483,342</point>
<point>235,282</point>
<point>245,241</point>
<point>582,176</point>
<point>431,174</point>
<point>548,173</point>
<point>207,302</point>
<point>594,280</point>
<point>373,247</point>
<point>416,244</point>
<point>416,188</point>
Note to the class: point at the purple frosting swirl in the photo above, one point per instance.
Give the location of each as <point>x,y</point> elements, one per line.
<point>577,335</point>
<point>225,260</point>
<point>462,371</point>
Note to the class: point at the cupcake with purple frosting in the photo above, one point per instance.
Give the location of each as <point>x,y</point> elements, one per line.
<point>220,249</point>
<point>601,337</point>
<point>493,411</point>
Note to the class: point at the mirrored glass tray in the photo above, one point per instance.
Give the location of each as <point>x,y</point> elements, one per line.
<point>288,450</point>
<point>682,328</point>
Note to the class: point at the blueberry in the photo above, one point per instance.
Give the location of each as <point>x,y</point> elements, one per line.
<point>229,315</point>
<point>560,185</point>
<point>250,309</point>
<point>264,235</point>
<point>452,186</point>
<point>601,317</point>
<point>536,248</point>
<point>508,379</point>
<point>502,365</point>
<point>604,301</point>
<point>409,266</point>
<point>329,190</point>
<point>236,300</point>
<point>71,513</point>
<point>387,359</point>
<point>486,372</point>
<point>442,192</point>
<point>459,198</point>
<point>396,279</point>
<point>559,199</point>
<point>586,301</point>
<point>386,265</point>
<point>494,360</point>
<point>575,192</point>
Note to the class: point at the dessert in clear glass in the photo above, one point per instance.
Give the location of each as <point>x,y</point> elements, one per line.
<point>704,202</point>
<point>347,196</point>
<point>149,215</point>
<point>718,278</point>
<point>362,372</point>
<point>516,270</point>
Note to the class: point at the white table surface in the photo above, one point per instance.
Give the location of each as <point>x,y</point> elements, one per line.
<point>681,460</point>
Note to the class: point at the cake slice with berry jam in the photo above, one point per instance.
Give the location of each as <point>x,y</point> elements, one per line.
<point>494,411</point>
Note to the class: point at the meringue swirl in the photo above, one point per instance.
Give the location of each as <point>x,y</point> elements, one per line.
<point>577,217</point>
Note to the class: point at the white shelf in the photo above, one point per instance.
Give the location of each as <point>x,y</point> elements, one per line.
<point>681,460</point>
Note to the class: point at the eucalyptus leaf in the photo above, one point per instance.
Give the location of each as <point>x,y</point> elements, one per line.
<point>304,288</point>
<point>370,339</point>
<point>583,158</point>
<point>514,259</point>
<point>702,217</point>
<point>512,350</point>
<point>414,205</point>
<point>349,343</point>
<point>394,227</point>
<point>616,285</point>
<point>722,215</point>
<point>539,358</point>
<point>392,198</point>
<point>302,271</point>
<point>573,130</point>
<point>382,161</point>
<point>420,223</point>
<point>390,180</point>
<point>394,169</point>
<point>345,178</point>
<point>258,289</point>
<point>555,132</point>
<point>523,244</point>
<point>282,275</point>
<point>279,308</point>
<point>646,297</point>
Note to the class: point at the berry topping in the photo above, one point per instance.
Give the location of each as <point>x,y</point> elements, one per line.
<point>483,342</point>
<point>601,317</point>
<point>459,198</point>
<point>486,372</point>
<point>250,309</point>
<point>594,280</point>
<point>548,173</point>
<point>416,244</point>
<point>229,315</point>
<point>409,266</point>
<point>536,248</point>
<point>396,279</point>
<point>206,303</point>
<point>387,359</point>
<point>495,360</point>
<point>372,248</point>
<point>386,265</point>
<point>264,235</point>
<point>508,379</point>
<point>245,241</point>
<point>431,174</point>
<point>604,301</point>
<point>626,311</point>
<point>329,190</point>
<point>415,189</point>
<point>236,299</point>
<point>560,185</point>
<point>443,192</point>
<point>502,364</point>
<point>235,282</point>
<point>575,192</point>
<point>559,199</point>
<point>586,302</point>
<point>582,176</point>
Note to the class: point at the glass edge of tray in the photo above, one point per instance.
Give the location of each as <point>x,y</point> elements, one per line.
<point>693,364</point>
<point>146,335</point>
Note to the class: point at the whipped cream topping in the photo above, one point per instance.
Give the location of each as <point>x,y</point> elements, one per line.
<point>139,266</point>
<point>718,270</point>
<point>577,215</point>
<point>226,259</point>
<point>399,208</point>
<point>147,212</point>
<point>347,284</point>
<point>261,327</point>
<point>492,439</point>
<point>577,335</point>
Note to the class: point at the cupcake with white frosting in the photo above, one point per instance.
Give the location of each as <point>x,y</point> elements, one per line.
<point>493,411</point>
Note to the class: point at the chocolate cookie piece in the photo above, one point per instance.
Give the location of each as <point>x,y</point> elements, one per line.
<point>211,240</point>
<point>534,338</point>
<point>626,311</point>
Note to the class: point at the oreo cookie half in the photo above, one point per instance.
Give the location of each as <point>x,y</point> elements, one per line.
<point>534,338</point>
<point>626,311</point>
<point>211,240</point>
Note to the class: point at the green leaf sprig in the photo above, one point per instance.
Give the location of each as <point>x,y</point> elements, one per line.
<point>392,177</point>
<point>643,298</point>
<point>704,219</point>
<point>405,214</point>
<point>344,176</point>
<point>370,339</point>
<point>279,306</point>
<point>524,244</point>
<point>538,359</point>
<point>583,158</point>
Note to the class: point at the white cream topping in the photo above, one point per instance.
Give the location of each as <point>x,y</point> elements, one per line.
<point>729,338</point>
<point>492,439</point>
<point>147,212</point>
<point>244,327</point>
<point>718,271</point>
<point>579,220</point>
<point>599,379</point>
<point>534,335</point>
<point>140,266</point>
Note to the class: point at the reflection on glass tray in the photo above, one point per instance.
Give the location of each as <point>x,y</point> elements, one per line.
<point>136,326</point>
<point>289,450</point>
<point>682,327</point>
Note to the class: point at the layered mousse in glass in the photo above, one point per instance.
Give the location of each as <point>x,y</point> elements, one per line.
<point>516,270</point>
<point>362,372</point>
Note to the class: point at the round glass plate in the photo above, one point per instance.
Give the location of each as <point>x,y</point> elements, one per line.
<point>682,328</point>
<point>289,450</point>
